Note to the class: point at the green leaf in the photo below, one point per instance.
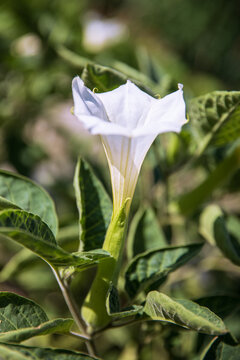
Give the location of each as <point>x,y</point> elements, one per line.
<point>154,265</point>
<point>144,233</point>
<point>27,195</point>
<point>22,319</point>
<point>189,202</point>
<point>184,313</point>
<point>101,77</point>
<point>28,230</point>
<point>94,205</point>
<point>221,305</point>
<point>213,114</point>
<point>50,327</point>
<point>222,348</point>
<point>113,305</point>
<point>20,352</point>
<point>6,204</point>
<point>106,78</point>
<point>215,229</point>
<point>230,129</point>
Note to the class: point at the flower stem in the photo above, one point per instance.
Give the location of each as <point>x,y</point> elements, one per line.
<point>94,309</point>
<point>74,311</point>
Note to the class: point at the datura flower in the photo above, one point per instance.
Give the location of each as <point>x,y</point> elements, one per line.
<point>128,120</point>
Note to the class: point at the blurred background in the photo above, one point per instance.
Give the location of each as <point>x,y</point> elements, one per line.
<point>43,45</point>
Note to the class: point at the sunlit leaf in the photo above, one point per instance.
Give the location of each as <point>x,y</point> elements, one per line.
<point>22,319</point>
<point>20,352</point>
<point>29,231</point>
<point>185,313</point>
<point>27,195</point>
<point>216,116</point>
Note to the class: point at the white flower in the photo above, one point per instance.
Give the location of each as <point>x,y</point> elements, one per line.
<point>128,121</point>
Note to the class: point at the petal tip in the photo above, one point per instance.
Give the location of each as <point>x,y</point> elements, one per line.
<point>180,86</point>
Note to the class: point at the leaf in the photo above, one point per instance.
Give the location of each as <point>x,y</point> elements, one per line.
<point>213,114</point>
<point>113,305</point>
<point>22,319</point>
<point>6,204</point>
<point>222,348</point>
<point>20,352</point>
<point>189,202</point>
<point>28,230</point>
<point>230,129</point>
<point>221,305</point>
<point>154,265</point>
<point>49,327</point>
<point>144,233</point>
<point>27,195</point>
<point>94,205</point>
<point>101,77</point>
<point>184,313</point>
<point>106,78</point>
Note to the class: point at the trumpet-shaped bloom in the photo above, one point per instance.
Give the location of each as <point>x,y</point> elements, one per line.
<point>128,120</point>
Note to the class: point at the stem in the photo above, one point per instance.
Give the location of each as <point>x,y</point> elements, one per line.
<point>74,311</point>
<point>94,309</point>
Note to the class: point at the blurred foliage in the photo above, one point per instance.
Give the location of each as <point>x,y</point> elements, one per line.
<point>42,46</point>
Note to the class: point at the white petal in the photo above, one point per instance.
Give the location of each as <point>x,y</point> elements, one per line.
<point>166,114</point>
<point>127,105</point>
<point>125,157</point>
<point>86,103</point>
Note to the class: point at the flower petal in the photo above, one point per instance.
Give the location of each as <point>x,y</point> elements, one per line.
<point>166,114</point>
<point>127,105</point>
<point>86,103</point>
<point>125,157</point>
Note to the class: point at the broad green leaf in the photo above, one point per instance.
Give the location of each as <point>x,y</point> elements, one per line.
<point>144,233</point>
<point>221,305</point>
<point>184,313</point>
<point>213,115</point>
<point>154,265</point>
<point>94,205</point>
<point>6,204</point>
<point>189,202</point>
<point>215,229</point>
<point>20,352</point>
<point>113,305</point>
<point>49,327</point>
<point>28,230</point>
<point>22,319</point>
<point>222,348</point>
<point>27,195</point>
<point>101,77</point>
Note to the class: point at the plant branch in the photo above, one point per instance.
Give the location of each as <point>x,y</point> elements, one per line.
<point>74,312</point>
